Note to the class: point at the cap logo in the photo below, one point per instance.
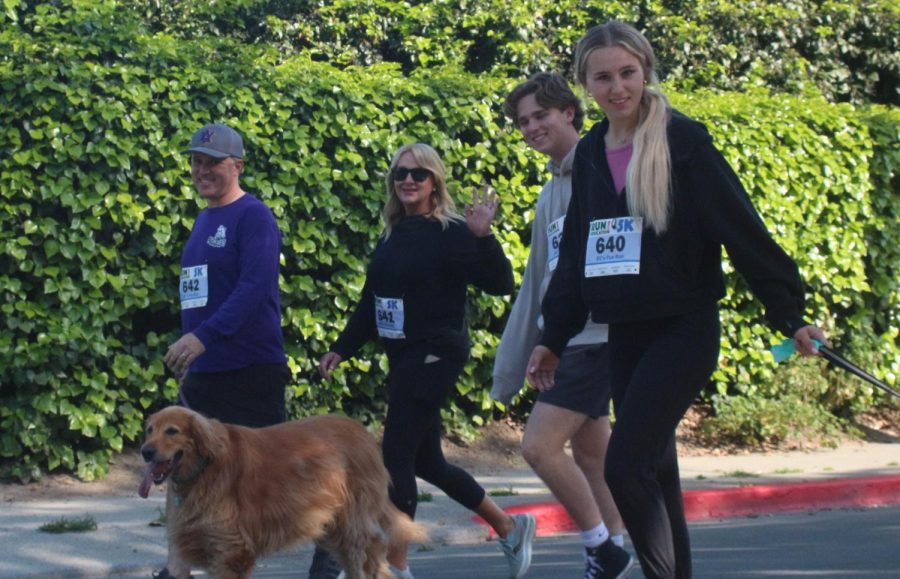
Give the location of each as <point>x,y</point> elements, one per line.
<point>207,136</point>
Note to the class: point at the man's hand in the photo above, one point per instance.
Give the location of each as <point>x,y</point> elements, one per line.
<point>182,353</point>
<point>328,363</point>
<point>542,368</point>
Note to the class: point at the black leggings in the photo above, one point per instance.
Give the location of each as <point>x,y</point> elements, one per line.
<point>657,367</point>
<point>412,429</point>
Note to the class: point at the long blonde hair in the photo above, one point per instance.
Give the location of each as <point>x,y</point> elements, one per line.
<point>648,180</point>
<point>442,207</point>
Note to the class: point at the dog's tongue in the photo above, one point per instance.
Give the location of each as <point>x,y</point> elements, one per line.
<point>153,470</point>
<point>144,489</point>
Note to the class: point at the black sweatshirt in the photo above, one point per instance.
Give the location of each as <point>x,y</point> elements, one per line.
<point>681,269</point>
<point>429,268</point>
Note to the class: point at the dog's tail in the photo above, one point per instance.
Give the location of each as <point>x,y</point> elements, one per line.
<point>404,530</point>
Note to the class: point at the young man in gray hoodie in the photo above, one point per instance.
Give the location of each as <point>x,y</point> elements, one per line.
<point>576,409</point>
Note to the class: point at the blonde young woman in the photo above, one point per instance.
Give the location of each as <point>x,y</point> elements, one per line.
<point>653,203</point>
<point>414,300</point>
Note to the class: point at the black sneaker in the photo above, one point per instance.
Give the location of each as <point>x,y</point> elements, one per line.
<point>324,566</point>
<point>607,561</point>
<point>164,574</point>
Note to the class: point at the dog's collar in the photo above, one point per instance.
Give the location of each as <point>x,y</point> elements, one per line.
<point>198,470</point>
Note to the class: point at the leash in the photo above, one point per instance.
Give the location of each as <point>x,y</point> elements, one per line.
<point>785,349</point>
<point>182,400</point>
<point>845,364</point>
<point>181,397</point>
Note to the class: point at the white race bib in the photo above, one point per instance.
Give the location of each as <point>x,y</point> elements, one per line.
<point>194,286</point>
<point>614,247</point>
<point>389,317</point>
<point>554,235</point>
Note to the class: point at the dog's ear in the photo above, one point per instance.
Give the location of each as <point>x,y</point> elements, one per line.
<point>208,437</point>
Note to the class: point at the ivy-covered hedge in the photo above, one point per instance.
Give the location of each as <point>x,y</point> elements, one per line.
<point>96,203</point>
<point>883,233</point>
<point>847,50</point>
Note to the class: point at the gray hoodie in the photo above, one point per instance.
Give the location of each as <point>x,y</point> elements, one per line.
<point>523,329</point>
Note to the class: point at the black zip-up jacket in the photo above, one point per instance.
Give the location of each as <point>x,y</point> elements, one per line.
<point>681,269</point>
<point>429,268</point>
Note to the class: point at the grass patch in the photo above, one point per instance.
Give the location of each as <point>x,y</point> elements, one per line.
<point>507,492</point>
<point>64,525</point>
<point>160,520</point>
<point>425,497</point>
<point>789,471</point>
<point>740,474</point>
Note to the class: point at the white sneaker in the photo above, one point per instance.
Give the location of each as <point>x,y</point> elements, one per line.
<point>400,573</point>
<point>517,545</point>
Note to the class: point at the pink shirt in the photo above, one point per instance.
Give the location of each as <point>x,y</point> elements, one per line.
<point>618,160</point>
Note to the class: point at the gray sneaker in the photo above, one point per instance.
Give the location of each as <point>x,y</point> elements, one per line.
<point>517,545</point>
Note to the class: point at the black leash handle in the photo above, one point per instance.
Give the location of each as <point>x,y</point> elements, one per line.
<point>845,364</point>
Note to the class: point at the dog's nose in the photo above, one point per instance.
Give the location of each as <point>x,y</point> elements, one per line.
<point>148,452</point>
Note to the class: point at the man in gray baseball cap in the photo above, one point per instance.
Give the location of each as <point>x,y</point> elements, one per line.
<point>230,357</point>
<point>217,161</point>
<point>219,141</point>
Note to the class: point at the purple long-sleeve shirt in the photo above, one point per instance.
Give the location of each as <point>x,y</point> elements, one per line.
<point>229,286</point>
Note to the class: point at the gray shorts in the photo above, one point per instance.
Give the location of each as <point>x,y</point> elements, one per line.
<point>581,381</point>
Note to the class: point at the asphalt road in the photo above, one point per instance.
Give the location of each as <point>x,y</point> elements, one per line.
<point>851,544</point>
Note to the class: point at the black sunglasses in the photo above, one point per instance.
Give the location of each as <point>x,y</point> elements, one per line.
<point>418,174</point>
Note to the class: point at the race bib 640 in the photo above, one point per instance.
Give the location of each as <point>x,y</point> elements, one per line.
<point>614,247</point>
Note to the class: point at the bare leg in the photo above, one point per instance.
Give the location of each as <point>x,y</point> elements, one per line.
<point>488,510</point>
<point>589,449</point>
<point>548,429</point>
<point>496,517</point>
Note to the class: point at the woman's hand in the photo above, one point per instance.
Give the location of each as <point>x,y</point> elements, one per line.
<point>328,363</point>
<point>480,213</point>
<point>803,340</point>
<point>542,368</point>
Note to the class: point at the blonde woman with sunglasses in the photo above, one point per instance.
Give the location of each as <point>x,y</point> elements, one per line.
<point>414,302</point>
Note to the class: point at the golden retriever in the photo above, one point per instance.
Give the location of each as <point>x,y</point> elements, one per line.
<point>242,493</point>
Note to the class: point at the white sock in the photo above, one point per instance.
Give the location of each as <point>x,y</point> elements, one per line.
<point>595,536</point>
<point>618,540</point>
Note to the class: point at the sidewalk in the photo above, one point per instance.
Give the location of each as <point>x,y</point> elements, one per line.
<point>854,475</point>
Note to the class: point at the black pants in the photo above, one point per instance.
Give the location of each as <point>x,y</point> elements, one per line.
<point>658,367</point>
<point>251,396</point>
<point>421,376</point>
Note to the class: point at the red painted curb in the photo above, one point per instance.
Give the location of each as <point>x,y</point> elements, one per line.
<point>699,505</point>
<point>760,499</point>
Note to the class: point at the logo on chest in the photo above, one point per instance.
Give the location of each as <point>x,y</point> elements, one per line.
<point>217,240</point>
